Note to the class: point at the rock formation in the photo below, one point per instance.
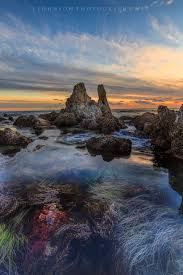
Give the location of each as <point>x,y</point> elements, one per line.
<point>10,137</point>
<point>109,145</point>
<point>81,105</point>
<point>165,129</point>
<point>81,109</point>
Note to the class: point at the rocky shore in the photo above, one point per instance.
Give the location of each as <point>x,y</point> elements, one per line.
<point>81,113</point>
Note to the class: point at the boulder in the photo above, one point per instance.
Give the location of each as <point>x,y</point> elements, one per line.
<point>25,121</point>
<point>109,145</point>
<point>141,120</point>
<point>10,137</point>
<point>50,116</point>
<point>66,120</point>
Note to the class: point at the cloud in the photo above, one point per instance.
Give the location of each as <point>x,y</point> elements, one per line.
<point>52,63</point>
<point>169,2</point>
<point>167,30</point>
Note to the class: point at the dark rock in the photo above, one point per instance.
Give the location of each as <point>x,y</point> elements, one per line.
<point>50,116</point>
<point>109,124</point>
<point>25,121</point>
<point>109,145</point>
<point>66,120</point>
<point>10,118</point>
<point>141,120</point>
<point>10,137</point>
<point>38,147</point>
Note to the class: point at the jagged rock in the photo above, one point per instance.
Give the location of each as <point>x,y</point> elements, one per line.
<point>109,145</point>
<point>10,137</point>
<point>92,115</point>
<point>25,121</point>
<point>102,101</point>
<point>81,105</point>
<point>66,120</point>
<point>50,116</point>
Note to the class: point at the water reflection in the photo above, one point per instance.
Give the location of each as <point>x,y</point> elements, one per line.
<point>64,211</point>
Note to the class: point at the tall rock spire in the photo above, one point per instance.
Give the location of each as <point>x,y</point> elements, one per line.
<point>102,101</point>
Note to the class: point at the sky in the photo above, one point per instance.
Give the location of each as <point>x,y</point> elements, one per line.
<point>133,47</point>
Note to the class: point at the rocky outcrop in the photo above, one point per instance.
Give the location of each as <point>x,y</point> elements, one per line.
<point>81,105</point>
<point>92,115</point>
<point>66,120</point>
<point>109,145</point>
<point>10,137</point>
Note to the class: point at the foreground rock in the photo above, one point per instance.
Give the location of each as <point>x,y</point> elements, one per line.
<point>109,145</point>
<point>10,137</point>
<point>90,115</point>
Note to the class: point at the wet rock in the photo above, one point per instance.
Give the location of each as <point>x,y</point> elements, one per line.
<point>50,116</point>
<point>25,121</point>
<point>141,121</point>
<point>38,147</point>
<point>66,120</point>
<point>109,124</point>
<point>10,137</point>
<point>109,145</point>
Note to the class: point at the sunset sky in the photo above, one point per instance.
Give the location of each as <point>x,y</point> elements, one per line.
<point>133,47</point>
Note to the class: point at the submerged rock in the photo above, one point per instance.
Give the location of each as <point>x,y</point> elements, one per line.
<point>10,137</point>
<point>109,145</point>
